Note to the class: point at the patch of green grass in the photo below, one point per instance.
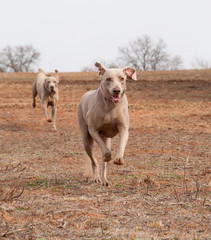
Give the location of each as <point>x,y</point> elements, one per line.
<point>120,185</point>
<point>110,238</point>
<point>22,208</point>
<point>46,183</point>
<point>172,175</point>
<point>37,183</point>
<point>132,176</point>
<point>61,186</point>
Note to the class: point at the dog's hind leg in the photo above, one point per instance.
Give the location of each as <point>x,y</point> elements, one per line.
<point>104,179</point>
<point>34,94</point>
<point>88,143</point>
<point>54,110</point>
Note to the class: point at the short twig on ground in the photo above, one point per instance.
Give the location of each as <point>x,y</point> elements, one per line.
<point>197,189</point>
<point>204,201</point>
<point>178,203</point>
<point>11,194</point>
<point>10,168</point>
<point>18,195</point>
<point>6,234</point>
<point>177,197</point>
<point>184,180</point>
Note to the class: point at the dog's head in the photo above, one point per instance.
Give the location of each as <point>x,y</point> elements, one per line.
<point>51,82</point>
<point>113,81</point>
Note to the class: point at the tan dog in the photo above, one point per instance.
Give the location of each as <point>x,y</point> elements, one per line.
<point>46,86</point>
<point>102,114</point>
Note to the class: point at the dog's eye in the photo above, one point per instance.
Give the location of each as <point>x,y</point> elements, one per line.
<point>121,79</point>
<point>108,79</point>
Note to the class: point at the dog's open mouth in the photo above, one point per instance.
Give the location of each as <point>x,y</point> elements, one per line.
<point>53,91</point>
<point>115,98</point>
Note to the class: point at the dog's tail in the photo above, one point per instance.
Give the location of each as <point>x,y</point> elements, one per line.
<point>41,70</point>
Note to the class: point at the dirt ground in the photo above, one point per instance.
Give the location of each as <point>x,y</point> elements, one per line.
<point>162,192</point>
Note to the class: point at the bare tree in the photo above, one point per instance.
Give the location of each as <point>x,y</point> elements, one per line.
<point>1,68</point>
<point>137,53</point>
<point>175,63</point>
<point>159,56</point>
<point>146,54</point>
<point>199,63</point>
<point>92,67</point>
<point>18,59</point>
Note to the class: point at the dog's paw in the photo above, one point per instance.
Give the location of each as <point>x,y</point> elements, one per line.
<point>107,157</point>
<point>54,129</point>
<point>96,180</point>
<point>106,183</point>
<point>119,161</point>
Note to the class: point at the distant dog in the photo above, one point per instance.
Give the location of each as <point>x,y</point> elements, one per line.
<point>102,114</point>
<point>46,86</point>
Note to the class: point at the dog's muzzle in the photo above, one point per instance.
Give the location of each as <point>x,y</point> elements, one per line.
<point>52,89</point>
<point>115,95</point>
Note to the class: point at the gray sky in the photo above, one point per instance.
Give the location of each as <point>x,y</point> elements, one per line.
<point>71,34</point>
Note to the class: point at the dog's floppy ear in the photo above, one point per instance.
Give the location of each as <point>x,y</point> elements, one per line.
<point>41,71</point>
<point>57,75</point>
<point>100,67</point>
<point>130,73</point>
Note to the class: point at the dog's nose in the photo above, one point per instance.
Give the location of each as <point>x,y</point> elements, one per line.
<point>52,87</point>
<point>116,91</point>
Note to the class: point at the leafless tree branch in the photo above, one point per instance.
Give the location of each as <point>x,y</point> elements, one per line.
<point>18,59</point>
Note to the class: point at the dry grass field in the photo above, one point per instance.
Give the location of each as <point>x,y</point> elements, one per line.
<point>162,192</point>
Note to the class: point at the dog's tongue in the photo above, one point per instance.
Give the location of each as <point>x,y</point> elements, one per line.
<point>116,99</point>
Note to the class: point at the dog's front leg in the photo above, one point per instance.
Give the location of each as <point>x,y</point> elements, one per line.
<point>96,136</point>
<point>123,138</point>
<point>45,108</point>
<point>54,109</point>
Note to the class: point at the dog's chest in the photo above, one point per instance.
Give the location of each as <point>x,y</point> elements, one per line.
<point>109,117</point>
<point>50,101</point>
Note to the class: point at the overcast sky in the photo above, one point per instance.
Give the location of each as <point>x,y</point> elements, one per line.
<point>71,34</point>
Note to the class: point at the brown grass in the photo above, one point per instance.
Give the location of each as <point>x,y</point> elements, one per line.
<point>181,75</point>
<point>163,190</point>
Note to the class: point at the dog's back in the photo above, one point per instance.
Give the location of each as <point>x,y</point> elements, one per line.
<point>37,85</point>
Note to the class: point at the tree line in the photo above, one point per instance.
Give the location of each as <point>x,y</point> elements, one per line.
<point>18,59</point>
<point>147,54</point>
<point>144,53</point>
